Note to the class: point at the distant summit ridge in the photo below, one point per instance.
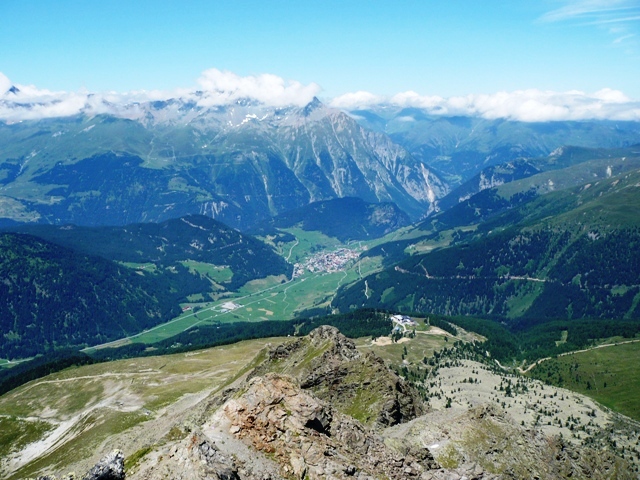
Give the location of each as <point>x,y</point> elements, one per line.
<point>237,153</point>
<point>239,163</point>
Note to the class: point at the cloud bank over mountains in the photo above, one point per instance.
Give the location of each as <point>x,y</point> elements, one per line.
<point>217,88</point>
<point>223,88</point>
<point>522,105</point>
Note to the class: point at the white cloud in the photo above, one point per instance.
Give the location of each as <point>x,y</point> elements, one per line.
<point>619,17</point>
<point>623,38</point>
<point>592,10</point>
<point>224,87</point>
<point>218,87</point>
<point>527,105</point>
<point>30,102</point>
<point>355,100</point>
<point>413,99</point>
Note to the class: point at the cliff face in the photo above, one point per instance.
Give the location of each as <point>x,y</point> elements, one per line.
<point>309,437</point>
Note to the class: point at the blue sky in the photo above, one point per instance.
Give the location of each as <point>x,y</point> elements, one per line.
<point>441,48</point>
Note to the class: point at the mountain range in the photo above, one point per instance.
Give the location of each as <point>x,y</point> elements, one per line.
<point>245,162</point>
<point>458,147</point>
<point>89,181</point>
<point>239,163</point>
<point>511,245</point>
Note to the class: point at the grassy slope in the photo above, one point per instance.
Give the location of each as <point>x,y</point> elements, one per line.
<point>107,401</point>
<point>588,372</point>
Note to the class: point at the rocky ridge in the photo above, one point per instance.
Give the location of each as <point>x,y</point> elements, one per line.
<point>287,420</point>
<point>293,416</point>
<point>361,385</point>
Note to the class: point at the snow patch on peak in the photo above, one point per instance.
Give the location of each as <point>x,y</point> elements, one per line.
<point>248,117</point>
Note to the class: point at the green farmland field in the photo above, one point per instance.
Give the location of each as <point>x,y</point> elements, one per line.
<point>272,298</point>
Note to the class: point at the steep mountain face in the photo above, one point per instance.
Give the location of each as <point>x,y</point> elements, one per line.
<point>238,163</point>
<point>54,297</point>
<point>460,147</point>
<point>346,219</point>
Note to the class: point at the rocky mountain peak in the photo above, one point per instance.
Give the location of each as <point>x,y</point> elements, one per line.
<point>325,332</point>
<point>311,106</point>
<point>328,365</point>
<point>342,348</point>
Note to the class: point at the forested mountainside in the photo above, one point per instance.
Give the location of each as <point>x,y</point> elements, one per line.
<point>569,254</point>
<point>67,286</point>
<point>53,297</point>
<point>174,244</point>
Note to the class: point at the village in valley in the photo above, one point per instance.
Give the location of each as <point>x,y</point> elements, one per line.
<point>328,262</point>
